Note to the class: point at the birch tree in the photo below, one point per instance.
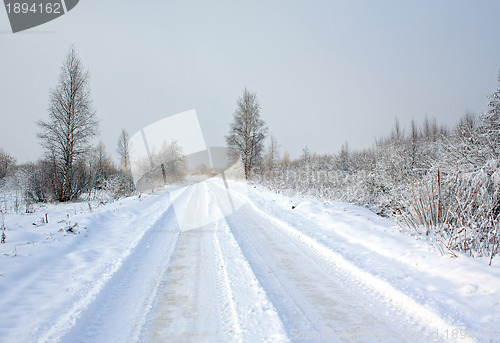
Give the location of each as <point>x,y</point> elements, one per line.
<point>247,132</point>
<point>272,157</point>
<point>6,162</point>
<point>123,150</point>
<point>72,123</point>
<point>491,125</point>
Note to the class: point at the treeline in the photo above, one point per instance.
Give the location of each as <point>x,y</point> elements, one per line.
<point>96,177</point>
<point>443,183</point>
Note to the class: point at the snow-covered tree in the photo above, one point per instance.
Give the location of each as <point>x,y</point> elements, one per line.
<point>306,156</point>
<point>165,166</point>
<point>72,124</point>
<point>6,163</point>
<point>124,150</point>
<point>344,159</point>
<point>272,156</point>
<point>286,160</point>
<point>100,167</point>
<point>247,132</point>
<point>491,126</point>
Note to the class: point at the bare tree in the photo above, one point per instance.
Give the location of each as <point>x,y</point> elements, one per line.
<point>166,166</point>
<point>247,132</point>
<point>103,165</point>
<point>344,157</point>
<point>6,162</point>
<point>72,124</point>
<point>123,150</point>
<point>306,157</point>
<point>397,134</point>
<point>491,125</point>
<point>286,161</point>
<point>272,157</point>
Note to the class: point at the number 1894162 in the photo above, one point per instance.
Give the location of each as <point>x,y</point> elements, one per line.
<point>23,7</point>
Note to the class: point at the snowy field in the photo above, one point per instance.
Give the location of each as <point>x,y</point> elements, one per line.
<point>201,264</point>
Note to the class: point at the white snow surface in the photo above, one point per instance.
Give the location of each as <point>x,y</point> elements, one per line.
<point>144,270</point>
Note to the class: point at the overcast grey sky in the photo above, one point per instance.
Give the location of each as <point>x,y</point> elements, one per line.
<point>325,72</point>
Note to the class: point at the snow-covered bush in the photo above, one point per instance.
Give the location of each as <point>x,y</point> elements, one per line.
<point>120,184</point>
<point>436,182</point>
<point>26,185</point>
<point>6,163</point>
<point>165,166</point>
<point>3,228</point>
<point>460,209</point>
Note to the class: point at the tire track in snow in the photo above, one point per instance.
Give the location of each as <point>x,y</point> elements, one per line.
<point>381,289</point>
<point>211,293</point>
<point>119,302</point>
<point>88,262</point>
<point>255,316</point>
<point>187,309</point>
<point>279,288</point>
<point>384,289</point>
<point>230,328</point>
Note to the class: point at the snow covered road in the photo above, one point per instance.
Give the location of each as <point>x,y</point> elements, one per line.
<point>201,264</point>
